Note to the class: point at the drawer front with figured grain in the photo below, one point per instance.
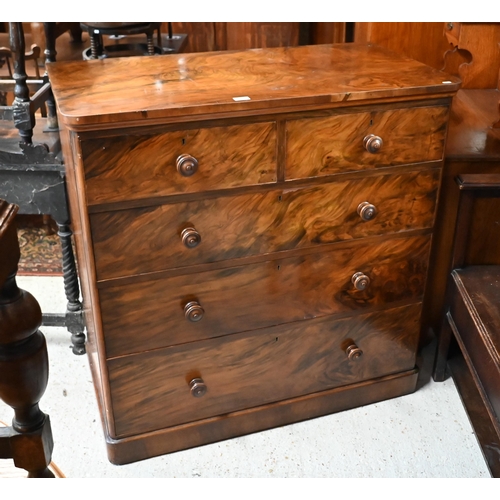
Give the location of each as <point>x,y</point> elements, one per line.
<point>360,141</point>
<point>214,303</point>
<point>133,167</point>
<point>171,386</point>
<point>152,239</point>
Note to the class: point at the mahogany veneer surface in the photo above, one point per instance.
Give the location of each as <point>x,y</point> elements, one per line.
<point>307,255</point>
<point>184,85</point>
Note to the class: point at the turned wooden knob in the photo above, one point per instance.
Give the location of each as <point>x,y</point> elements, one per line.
<point>186,165</point>
<point>367,211</point>
<point>353,351</point>
<point>197,387</point>
<point>190,237</point>
<point>360,281</point>
<point>373,143</point>
<point>193,311</point>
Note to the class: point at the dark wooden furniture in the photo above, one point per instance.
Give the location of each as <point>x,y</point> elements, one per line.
<point>472,148</point>
<point>98,50</point>
<point>472,317</point>
<point>23,361</point>
<point>203,37</point>
<point>253,233</point>
<point>32,173</point>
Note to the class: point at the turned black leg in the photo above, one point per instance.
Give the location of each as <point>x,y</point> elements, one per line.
<point>24,117</point>
<point>50,56</point>
<point>74,314</point>
<point>24,366</point>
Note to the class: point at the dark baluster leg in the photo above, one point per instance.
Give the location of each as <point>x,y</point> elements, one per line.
<point>95,45</point>
<point>24,118</point>
<point>74,315</point>
<point>76,33</point>
<point>50,56</point>
<point>23,362</point>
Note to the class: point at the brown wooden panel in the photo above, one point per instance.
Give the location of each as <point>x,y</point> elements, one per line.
<point>129,242</point>
<point>424,42</point>
<point>475,57</point>
<point>132,167</point>
<point>263,294</point>
<point>471,135</point>
<point>257,35</point>
<point>200,36</point>
<point>327,32</point>
<point>323,146</point>
<point>265,366</point>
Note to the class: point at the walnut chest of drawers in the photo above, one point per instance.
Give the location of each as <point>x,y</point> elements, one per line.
<point>253,233</point>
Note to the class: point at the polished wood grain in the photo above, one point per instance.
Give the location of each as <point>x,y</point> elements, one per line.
<point>238,155</point>
<point>129,242</point>
<point>259,295</point>
<point>265,366</point>
<point>471,134</point>
<point>180,86</point>
<point>286,259</point>
<point>326,146</point>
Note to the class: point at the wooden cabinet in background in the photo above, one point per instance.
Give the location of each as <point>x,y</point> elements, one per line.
<point>474,54</point>
<point>237,36</point>
<point>424,42</point>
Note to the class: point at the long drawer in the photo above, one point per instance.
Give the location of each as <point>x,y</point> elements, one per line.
<point>134,241</point>
<point>152,390</point>
<point>325,146</point>
<point>191,307</point>
<point>132,167</point>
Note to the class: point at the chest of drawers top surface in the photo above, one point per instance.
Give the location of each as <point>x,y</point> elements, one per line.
<point>184,86</point>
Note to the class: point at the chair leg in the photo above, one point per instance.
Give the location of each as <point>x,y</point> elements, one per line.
<point>76,33</point>
<point>74,311</point>
<point>24,117</point>
<point>50,56</point>
<point>442,350</point>
<point>151,45</point>
<point>96,46</point>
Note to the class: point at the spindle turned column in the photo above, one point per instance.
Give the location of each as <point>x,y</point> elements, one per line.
<point>23,361</point>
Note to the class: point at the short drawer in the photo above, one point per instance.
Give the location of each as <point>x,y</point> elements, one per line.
<point>324,146</point>
<point>152,239</point>
<point>155,389</point>
<point>176,310</point>
<point>133,167</point>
